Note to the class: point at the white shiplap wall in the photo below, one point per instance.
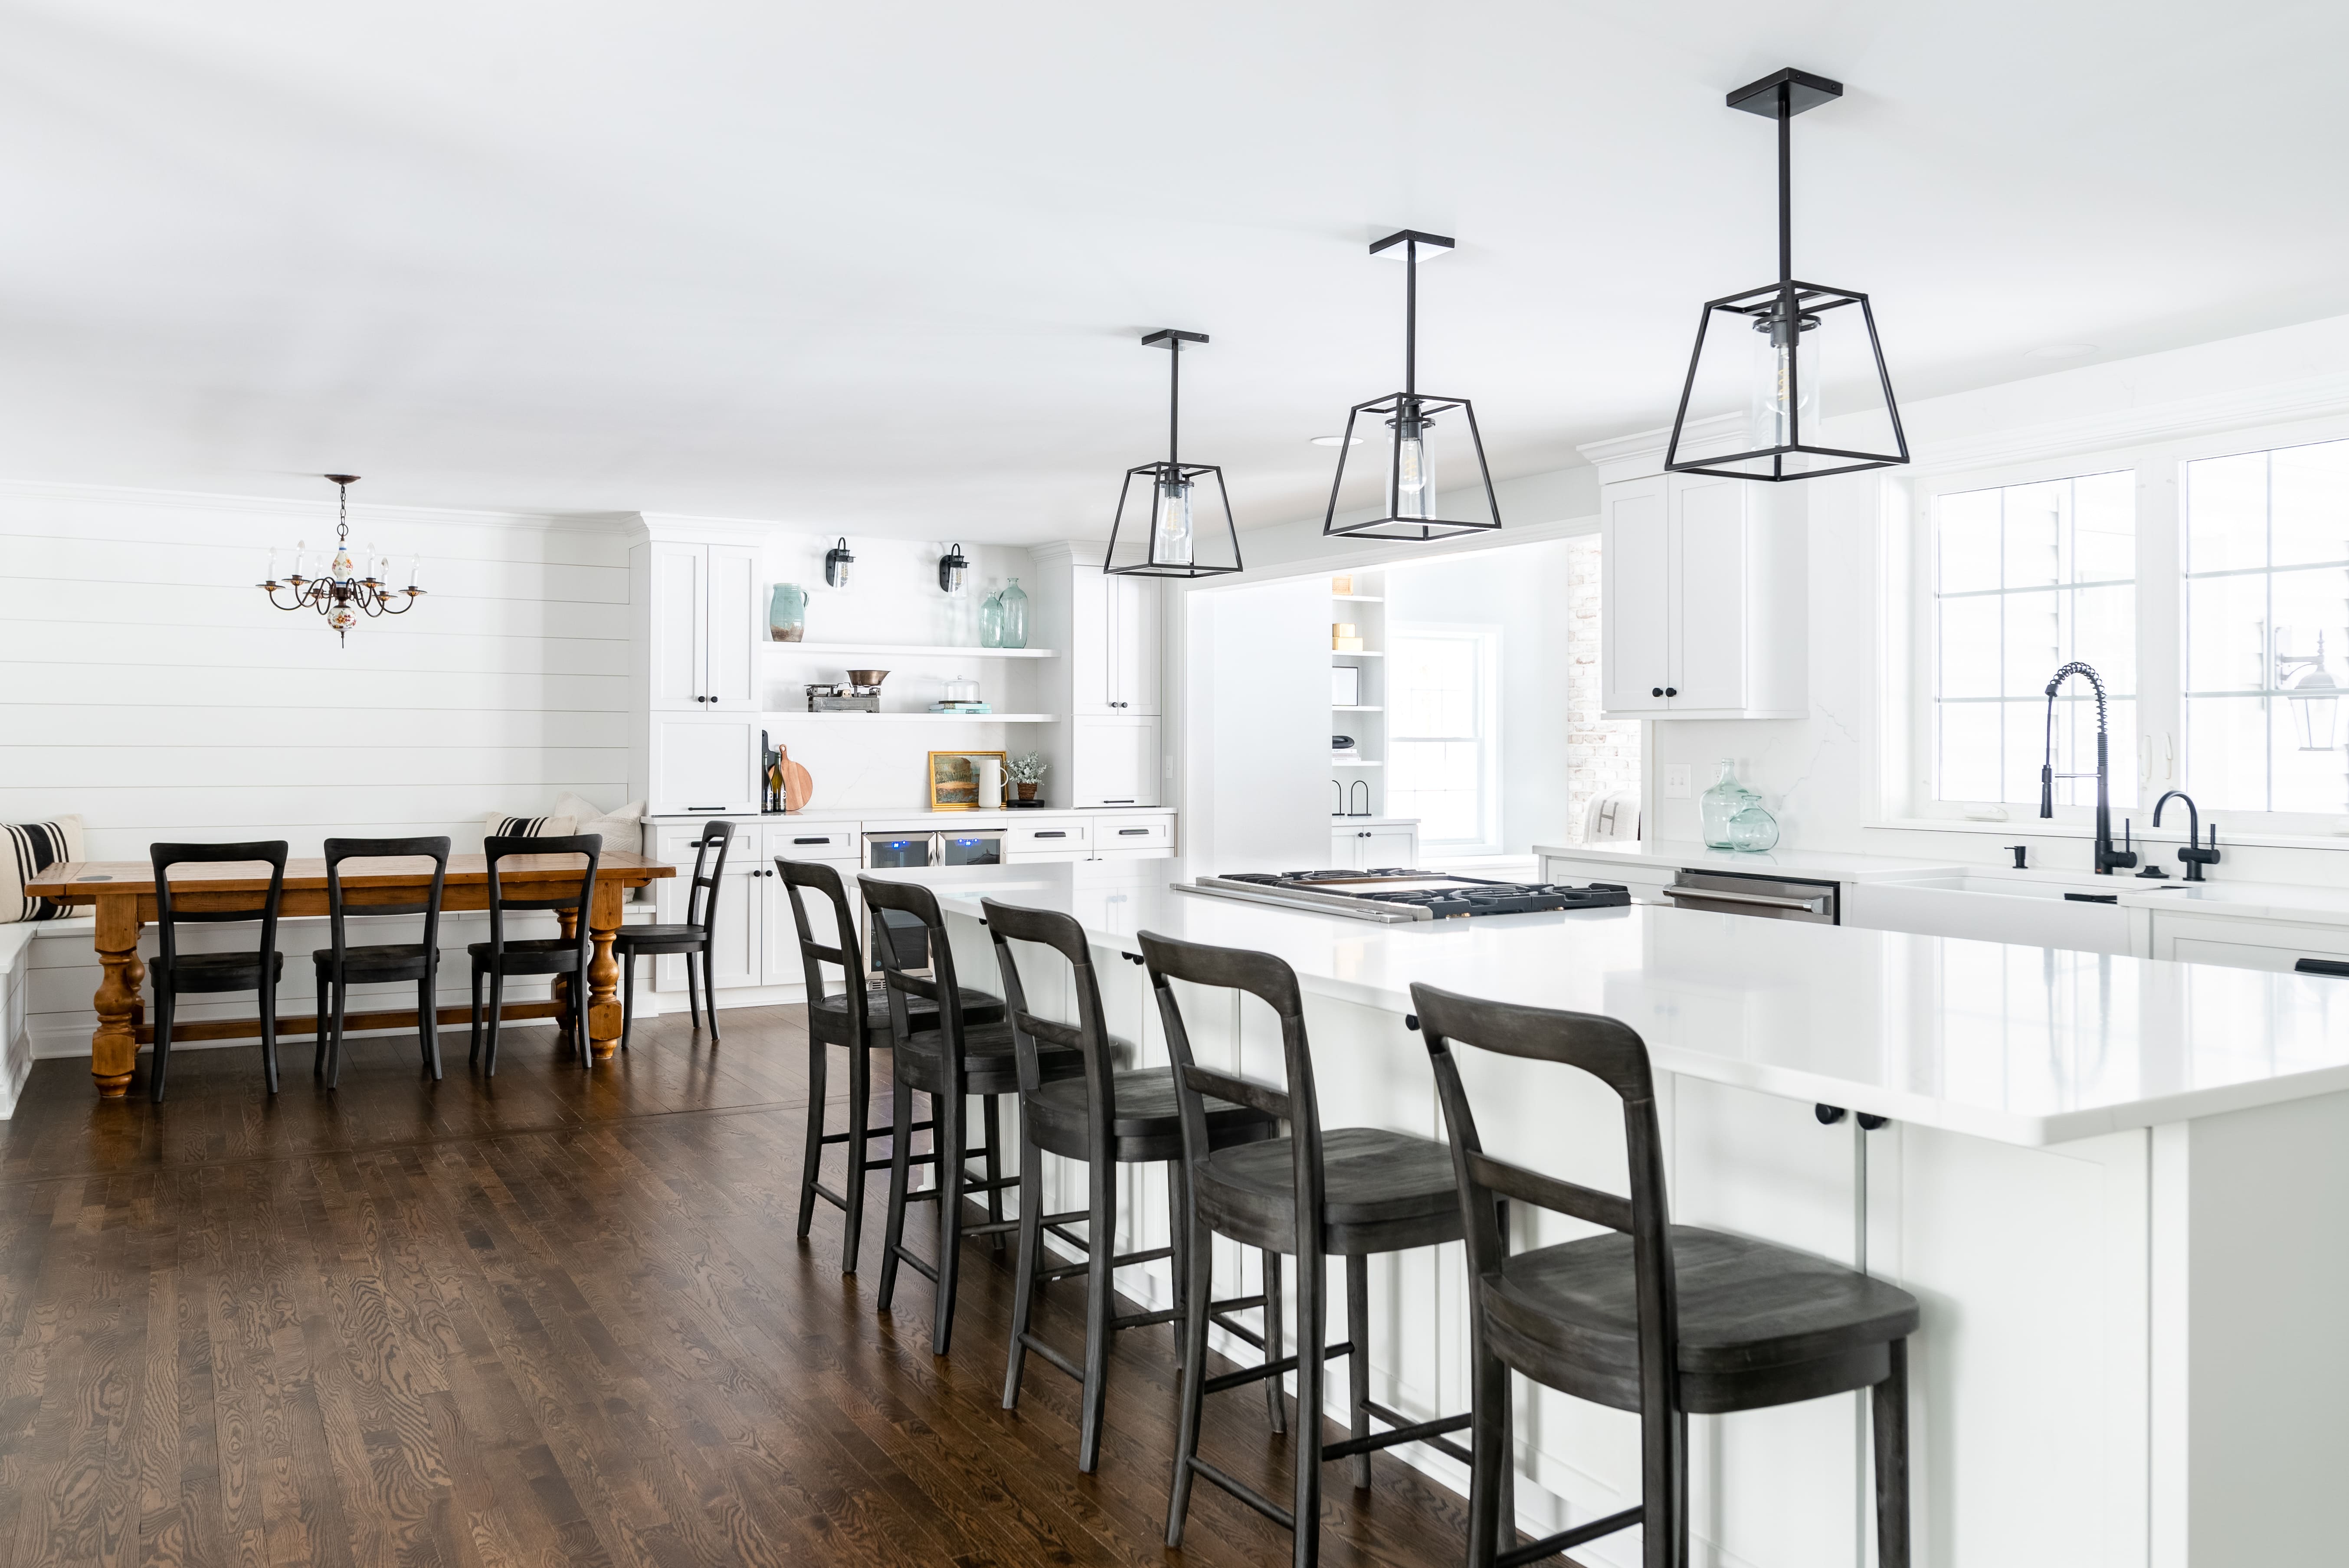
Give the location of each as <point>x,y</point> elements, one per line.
<point>145,684</point>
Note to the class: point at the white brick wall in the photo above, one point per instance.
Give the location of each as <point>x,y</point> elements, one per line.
<point>1602,755</point>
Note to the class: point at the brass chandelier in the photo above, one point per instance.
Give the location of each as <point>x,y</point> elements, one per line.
<point>342,595</point>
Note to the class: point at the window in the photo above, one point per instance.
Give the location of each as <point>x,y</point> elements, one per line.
<point>1444,734</point>
<point>2267,625</point>
<point>2026,579</point>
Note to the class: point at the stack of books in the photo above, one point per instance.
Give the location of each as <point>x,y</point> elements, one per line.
<point>961,707</point>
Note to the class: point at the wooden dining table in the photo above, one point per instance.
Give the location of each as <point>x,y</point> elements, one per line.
<point>123,893</point>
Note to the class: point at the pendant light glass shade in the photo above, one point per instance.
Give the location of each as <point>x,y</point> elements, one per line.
<point>1800,362</point>
<point>1165,499</point>
<point>1421,435</point>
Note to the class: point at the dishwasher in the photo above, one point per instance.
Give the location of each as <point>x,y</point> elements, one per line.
<point>1748,893</point>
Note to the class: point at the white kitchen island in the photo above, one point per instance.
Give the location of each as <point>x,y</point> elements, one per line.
<point>2118,1186</point>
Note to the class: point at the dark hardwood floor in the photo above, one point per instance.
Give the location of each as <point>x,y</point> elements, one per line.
<point>548,1318</point>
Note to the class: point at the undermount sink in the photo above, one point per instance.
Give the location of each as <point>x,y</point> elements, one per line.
<point>2026,911</point>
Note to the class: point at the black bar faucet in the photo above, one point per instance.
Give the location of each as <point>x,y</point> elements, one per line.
<point>2108,859</point>
<point>2195,856</point>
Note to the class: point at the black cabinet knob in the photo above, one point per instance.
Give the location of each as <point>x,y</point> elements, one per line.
<point>1671,691</point>
<point>1655,691</point>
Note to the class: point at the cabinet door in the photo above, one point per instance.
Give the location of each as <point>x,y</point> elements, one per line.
<point>1346,849</point>
<point>735,950</point>
<point>1137,625</point>
<point>778,962</point>
<point>731,629</point>
<point>1116,762</point>
<point>679,600</point>
<point>1092,642</point>
<point>1708,573</point>
<point>1633,591</point>
<point>704,763</point>
<point>1390,847</point>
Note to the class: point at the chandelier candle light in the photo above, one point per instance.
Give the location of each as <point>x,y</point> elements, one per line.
<point>1775,346</point>
<point>342,595</point>
<point>1173,543</point>
<point>1408,509</point>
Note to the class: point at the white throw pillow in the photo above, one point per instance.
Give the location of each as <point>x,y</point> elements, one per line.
<point>623,829</point>
<point>26,850</point>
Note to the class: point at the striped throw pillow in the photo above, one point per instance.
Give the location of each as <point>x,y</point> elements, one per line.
<point>530,827</point>
<point>33,848</point>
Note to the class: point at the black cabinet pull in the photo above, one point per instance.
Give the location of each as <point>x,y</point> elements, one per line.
<point>1053,833</point>
<point>2322,966</point>
<point>704,808</point>
<point>1128,801</point>
<point>1655,691</point>
<point>822,841</point>
<point>1133,832</point>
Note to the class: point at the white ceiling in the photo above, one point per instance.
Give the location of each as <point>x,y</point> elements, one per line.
<point>880,268</point>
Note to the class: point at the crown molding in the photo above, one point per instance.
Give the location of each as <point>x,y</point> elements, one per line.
<point>2137,425</point>
<point>1641,454</point>
<point>308,510</point>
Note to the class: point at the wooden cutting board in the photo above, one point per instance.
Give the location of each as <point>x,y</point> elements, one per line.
<point>798,788</point>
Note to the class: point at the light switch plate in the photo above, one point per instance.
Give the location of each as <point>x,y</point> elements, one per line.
<point>1676,780</point>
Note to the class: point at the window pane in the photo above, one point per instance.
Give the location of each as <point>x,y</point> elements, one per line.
<point>2226,622</point>
<point>2024,724</point>
<point>2104,525</point>
<point>1968,766</point>
<point>2034,535</point>
<point>2104,634</point>
<point>2306,776</point>
<point>2227,752</point>
<point>2309,505</point>
<point>2034,642</point>
<point>2226,512</point>
<point>1970,661</point>
<point>1967,527</point>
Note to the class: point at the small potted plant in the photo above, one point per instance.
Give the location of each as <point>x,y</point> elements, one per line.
<point>1026,773</point>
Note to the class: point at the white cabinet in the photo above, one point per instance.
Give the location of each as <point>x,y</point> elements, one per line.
<point>701,640</point>
<point>703,762</point>
<point>1373,846</point>
<point>1702,590</point>
<point>1060,839</point>
<point>1115,762</point>
<point>735,955</point>
<point>1114,635</point>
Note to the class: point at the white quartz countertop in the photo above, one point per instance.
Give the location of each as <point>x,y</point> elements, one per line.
<point>994,817</point>
<point>1825,864</point>
<point>2023,1045</point>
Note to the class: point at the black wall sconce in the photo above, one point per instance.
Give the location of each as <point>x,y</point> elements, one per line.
<point>951,567</point>
<point>836,562</point>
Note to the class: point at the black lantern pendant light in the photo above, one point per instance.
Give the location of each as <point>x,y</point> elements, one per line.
<point>1780,345</point>
<point>1408,509</point>
<point>1174,549</point>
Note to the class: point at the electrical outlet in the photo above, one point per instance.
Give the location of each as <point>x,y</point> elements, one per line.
<point>1676,780</point>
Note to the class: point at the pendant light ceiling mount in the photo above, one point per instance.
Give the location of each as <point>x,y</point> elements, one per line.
<point>1172,486</point>
<point>1791,326</point>
<point>1408,509</point>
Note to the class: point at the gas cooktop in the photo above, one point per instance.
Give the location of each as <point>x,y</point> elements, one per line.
<point>1395,894</point>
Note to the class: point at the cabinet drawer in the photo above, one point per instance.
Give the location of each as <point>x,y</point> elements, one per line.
<point>1132,833</point>
<point>811,843</point>
<point>674,844</point>
<point>1062,835</point>
<point>2245,944</point>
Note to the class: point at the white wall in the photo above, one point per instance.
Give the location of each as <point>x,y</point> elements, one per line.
<point>1523,590</point>
<point>1257,796</point>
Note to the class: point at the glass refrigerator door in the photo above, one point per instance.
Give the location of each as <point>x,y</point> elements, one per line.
<point>972,849</point>
<point>891,852</point>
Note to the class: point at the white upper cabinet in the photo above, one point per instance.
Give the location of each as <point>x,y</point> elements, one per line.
<point>703,764</point>
<point>704,619</point>
<point>1116,762</point>
<point>1114,633</point>
<point>1701,594</point>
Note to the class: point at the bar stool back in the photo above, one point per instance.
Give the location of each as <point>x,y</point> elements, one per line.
<point>566,957</point>
<point>1349,1191</point>
<point>1661,1319</point>
<point>175,973</point>
<point>695,937</point>
<point>339,964</point>
<point>1113,1115</point>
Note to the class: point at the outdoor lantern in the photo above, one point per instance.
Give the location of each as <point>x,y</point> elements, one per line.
<point>951,567</point>
<point>1408,506</point>
<point>1771,356</point>
<point>2315,698</point>
<point>1172,490</point>
<point>836,562</point>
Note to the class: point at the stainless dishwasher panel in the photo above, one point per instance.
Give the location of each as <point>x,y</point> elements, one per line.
<point>1745,892</point>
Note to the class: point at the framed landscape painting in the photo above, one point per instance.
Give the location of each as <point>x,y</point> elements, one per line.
<point>954,778</point>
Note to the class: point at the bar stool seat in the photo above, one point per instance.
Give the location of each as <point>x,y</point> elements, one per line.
<point>216,971</point>
<point>1381,1191</point>
<point>1754,1319</point>
<point>977,1005</point>
<point>533,954</point>
<point>991,1060</point>
<point>1148,1123</point>
<point>674,937</point>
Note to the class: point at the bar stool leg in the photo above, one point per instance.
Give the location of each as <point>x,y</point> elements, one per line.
<point>1891,1402</point>
<point>1275,1404</point>
<point>812,1159</point>
<point>318,1052</point>
<point>1195,1371</point>
<point>1312,1345</point>
<point>693,992</point>
<point>900,1140</point>
<point>710,991</point>
<point>1491,1530</point>
<point>1023,1272</point>
<point>1100,1252</point>
<point>473,1047</point>
<point>1178,1239</point>
<point>335,1055</point>
<point>860,1150</point>
<point>497,1010</point>
<point>164,998</point>
<point>628,1001</point>
<point>1357,1365</point>
<point>948,1110</point>
<point>993,1174</point>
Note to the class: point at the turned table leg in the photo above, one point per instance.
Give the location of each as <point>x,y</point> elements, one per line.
<point>114,1048</point>
<point>604,971</point>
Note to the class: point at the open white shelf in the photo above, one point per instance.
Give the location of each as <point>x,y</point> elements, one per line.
<point>912,718</point>
<point>1354,708</point>
<point>1365,762</point>
<point>904,651</point>
<point>1358,654</point>
<point>1362,598</point>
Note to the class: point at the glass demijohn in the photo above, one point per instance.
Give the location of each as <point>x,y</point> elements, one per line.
<point>990,621</point>
<point>1015,616</point>
<point>1717,805</point>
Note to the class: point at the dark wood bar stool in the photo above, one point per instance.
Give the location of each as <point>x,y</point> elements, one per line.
<point>1113,1114</point>
<point>692,936</point>
<point>949,1062</point>
<point>175,973</point>
<point>1661,1319</point>
<point>340,964</point>
<point>855,1018</point>
<point>566,957</point>
<point>1351,1191</point>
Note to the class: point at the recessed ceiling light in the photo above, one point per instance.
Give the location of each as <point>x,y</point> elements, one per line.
<point>1337,440</point>
<point>2061,351</point>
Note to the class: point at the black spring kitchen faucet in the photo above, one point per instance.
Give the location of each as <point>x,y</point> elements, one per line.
<point>2108,859</point>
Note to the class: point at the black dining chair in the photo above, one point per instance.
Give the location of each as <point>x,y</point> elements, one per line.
<point>692,936</point>
<point>855,1018</point>
<point>175,973</point>
<point>565,956</point>
<point>1350,1192</point>
<point>950,1061</point>
<point>340,964</point>
<point>1663,1320</point>
<point>1115,1114</point>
